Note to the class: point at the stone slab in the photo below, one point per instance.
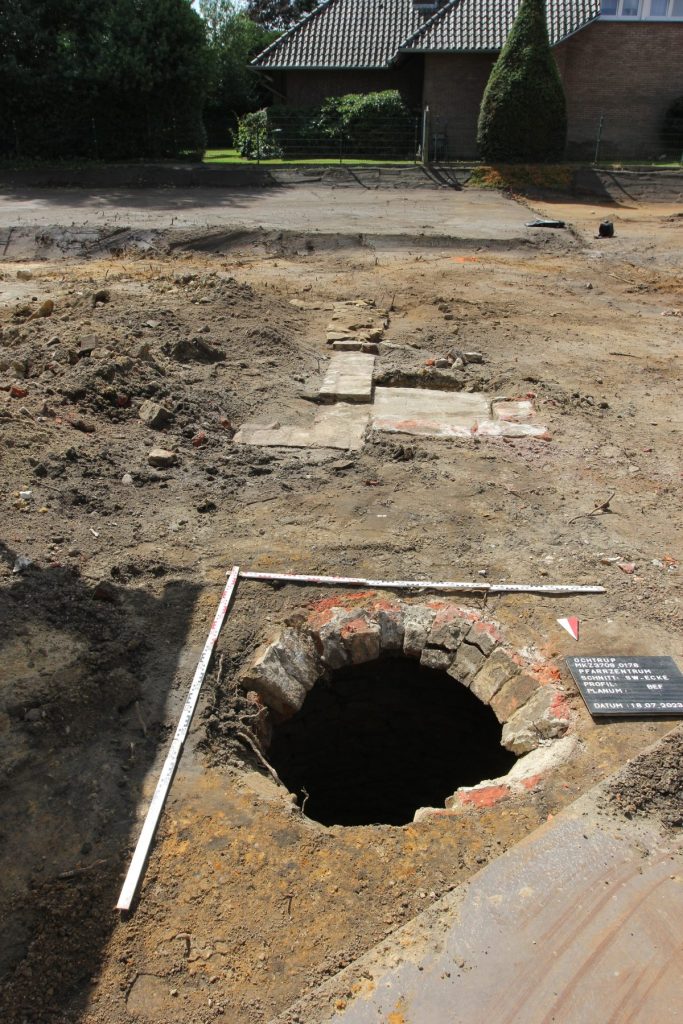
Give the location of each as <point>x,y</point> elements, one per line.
<point>349,378</point>
<point>582,921</point>
<point>429,413</point>
<point>340,426</point>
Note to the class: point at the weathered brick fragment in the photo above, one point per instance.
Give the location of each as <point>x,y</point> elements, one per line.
<point>493,674</point>
<point>389,617</point>
<point>361,637</point>
<point>436,658</point>
<point>485,636</point>
<point>449,629</point>
<point>513,695</point>
<point>280,690</point>
<point>542,717</point>
<point>418,621</point>
<point>298,656</point>
<point>467,663</point>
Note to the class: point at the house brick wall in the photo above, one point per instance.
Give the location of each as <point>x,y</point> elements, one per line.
<point>453,87</point>
<point>310,88</point>
<point>630,72</point>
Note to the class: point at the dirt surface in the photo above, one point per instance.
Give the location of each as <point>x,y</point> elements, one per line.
<point>317,207</point>
<point>247,903</point>
<point>652,784</point>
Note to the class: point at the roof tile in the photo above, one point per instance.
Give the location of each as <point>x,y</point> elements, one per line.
<point>372,33</point>
<point>346,34</point>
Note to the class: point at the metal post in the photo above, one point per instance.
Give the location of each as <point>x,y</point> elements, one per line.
<point>598,139</point>
<point>425,136</point>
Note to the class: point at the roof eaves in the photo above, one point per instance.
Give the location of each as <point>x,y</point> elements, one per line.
<point>323,67</point>
<point>580,28</point>
<point>290,31</point>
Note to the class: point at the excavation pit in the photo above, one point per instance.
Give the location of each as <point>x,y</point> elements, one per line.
<point>375,742</point>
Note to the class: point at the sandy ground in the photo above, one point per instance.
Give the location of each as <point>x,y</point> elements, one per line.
<point>247,903</point>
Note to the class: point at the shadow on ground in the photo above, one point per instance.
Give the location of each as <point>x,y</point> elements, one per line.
<point>84,691</point>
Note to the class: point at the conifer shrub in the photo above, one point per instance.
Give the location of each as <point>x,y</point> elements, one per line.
<point>523,115</point>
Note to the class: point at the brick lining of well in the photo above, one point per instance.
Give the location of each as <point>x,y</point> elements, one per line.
<point>524,692</point>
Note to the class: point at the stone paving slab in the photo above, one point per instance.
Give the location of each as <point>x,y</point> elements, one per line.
<point>428,413</point>
<point>356,321</point>
<point>349,378</point>
<point>334,426</point>
<point>581,922</point>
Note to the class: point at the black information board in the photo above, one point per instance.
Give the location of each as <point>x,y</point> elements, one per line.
<point>630,685</point>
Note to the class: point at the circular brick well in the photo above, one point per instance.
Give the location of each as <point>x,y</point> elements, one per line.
<point>380,709</point>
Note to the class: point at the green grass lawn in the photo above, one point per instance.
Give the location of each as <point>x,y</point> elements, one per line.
<point>231,156</point>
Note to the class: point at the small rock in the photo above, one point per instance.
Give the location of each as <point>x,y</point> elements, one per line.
<point>628,567</point>
<point>21,563</point>
<point>207,506</point>
<point>80,424</point>
<point>458,364</point>
<point>442,364</point>
<point>101,295</point>
<point>126,479</point>
<point>33,715</point>
<point>106,591</point>
<point>46,308</point>
<point>473,357</point>
<point>88,344</point>
<point>162,458</point>
<point>199,439</point>
<point>18,392</point>
<point>144,353</point>
<point>196,350</point>
<point>153,414</point>
<point>24,275</point>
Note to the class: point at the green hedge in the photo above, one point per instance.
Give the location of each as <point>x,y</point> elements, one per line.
<point>355,125</point>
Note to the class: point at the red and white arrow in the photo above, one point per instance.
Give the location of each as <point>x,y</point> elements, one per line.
<point>571,624</point>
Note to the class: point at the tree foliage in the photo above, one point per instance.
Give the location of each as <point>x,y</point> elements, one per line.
<point>279,14</point>
<point>234,88</point>
<point>82,78</point>
<point>523,117</point>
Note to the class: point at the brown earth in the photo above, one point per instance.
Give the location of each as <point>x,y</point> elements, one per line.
<point>246,902</point>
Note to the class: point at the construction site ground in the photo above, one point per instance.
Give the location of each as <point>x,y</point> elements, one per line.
<point>111,567</point>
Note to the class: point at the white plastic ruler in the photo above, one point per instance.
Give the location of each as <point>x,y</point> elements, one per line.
<point>476,587</point>
<point>137,864</point>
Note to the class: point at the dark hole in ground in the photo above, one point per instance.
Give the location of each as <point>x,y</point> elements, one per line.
<point>377,741</point>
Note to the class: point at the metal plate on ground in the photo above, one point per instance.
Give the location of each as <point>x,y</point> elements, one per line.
<point>629,685</point>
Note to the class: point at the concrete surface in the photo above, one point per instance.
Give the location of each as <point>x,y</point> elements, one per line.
<point>349,378</point>
<point>333,426</point>
<point>304,208</point>
<point>582,922</point>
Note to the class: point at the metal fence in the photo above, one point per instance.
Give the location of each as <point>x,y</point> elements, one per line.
<point>300,135</point>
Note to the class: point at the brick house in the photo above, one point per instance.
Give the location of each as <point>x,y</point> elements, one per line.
<point>620,60</point>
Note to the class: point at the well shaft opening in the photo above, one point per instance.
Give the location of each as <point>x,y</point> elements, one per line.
<point>375,742</point>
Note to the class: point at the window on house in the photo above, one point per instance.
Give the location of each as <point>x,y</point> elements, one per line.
<point>642,9</point>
